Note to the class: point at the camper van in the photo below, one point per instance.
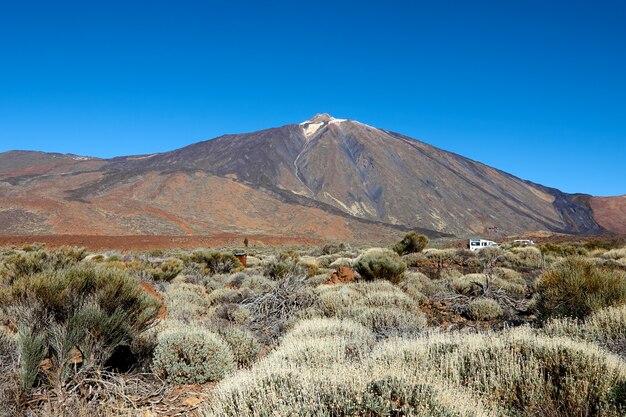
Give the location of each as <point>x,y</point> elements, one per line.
<point>478,244</point>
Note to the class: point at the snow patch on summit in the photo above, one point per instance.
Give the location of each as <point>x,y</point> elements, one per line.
<point>314,124</point>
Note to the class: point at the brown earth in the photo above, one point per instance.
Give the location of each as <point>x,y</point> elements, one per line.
<point>131,243</point>
<point>150,289</point>
<point>343,275</point>
<point>610,213</point>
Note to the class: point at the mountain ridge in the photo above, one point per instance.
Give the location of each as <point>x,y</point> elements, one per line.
<point>325,170</point>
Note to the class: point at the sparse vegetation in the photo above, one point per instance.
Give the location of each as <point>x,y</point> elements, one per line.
<point>380,264</point>
<point>543,331</point>
<point>484,309</point>
<point>188,355</point>
<point>412,242</point>
<point>577,286</point>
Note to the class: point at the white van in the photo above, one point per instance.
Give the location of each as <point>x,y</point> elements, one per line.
<point>478,244</point>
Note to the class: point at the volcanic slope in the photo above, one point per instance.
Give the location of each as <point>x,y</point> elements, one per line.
<point>326,177</point>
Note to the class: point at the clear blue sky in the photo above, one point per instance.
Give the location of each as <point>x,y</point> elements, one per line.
<point>536,88</point>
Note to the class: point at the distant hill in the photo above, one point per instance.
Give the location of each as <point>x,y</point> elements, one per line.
<point>324,178</point>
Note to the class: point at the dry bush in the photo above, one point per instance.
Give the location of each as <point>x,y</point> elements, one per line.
<point>615,254</point>
<point>166,270</point>
<point>334,299</point>
<point>10,401</point>
<point>234,313</point>
<point>322,343</point>
<point>186,302</point>
<point>278,268</point>
<point>386,321</point>
<point>341,262</point>
<point>441,256</point>
<point>563,250</point>
<point>484,309</point>
<point>508,275</point>
<point>418,285</point>
<point>191,355</point>
<point>577,286</point>
<point>379,305</point>
<point>272,308</point>
<point>22,264</point>
<point>316,280</point>
<point>242,343</point>
<point>229,295</point>
<point>331,249</point>
<point>412,242</point>
<point>309,266</point>
<point>415,260</point>
<point>92,309</point>
<point>322,328</point>
<point>478,284</point>
<point>257,282</point>
<point>524,374</point>
<point>606,327</point>
<point>216,262</point>
<point>322,368</point>
<point>380,264</point>
<point>528,256</point>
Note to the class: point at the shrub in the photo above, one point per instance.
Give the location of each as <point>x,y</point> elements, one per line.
<point>330,374</point>
<point>563,249</point>
<point>331,249</point>
<point>476,284</point>
<point>484,309</point>
<point>32,262</point>
<point>387,321</point>
<point>316,280</point>
<point>441,258</point>
<point>272,308</point>
<point>242,343</point>
<point>528,256</point>
<point>232,312</point>
<point>228,295</point>
<point>309,266</point>
<point>412,242</point>
<point>166,270</point>
<point>380,264</point>
<point>278,268</point>
<point>186,301</point>
<point>615,254</point>
<point>322,328</point>
<point>341,262</point>
<point>323,342</point>
<point>215,262</point>
<point>419,286</point>
<point>191,355</point>
<point>606,327</point>
<point>316,394</point>
<point>379,306</point>
<point>93,308</point>
<point>577,286</point>
<point>333,299</point>
<point>518,371</point>
<point>9,376</point>
<point>257,283</point>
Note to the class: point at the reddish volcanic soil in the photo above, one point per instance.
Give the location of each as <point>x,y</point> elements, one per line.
<point>157,242</point>
<point>610,213</point>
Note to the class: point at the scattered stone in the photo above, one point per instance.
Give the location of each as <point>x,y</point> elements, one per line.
<point>342,275</point>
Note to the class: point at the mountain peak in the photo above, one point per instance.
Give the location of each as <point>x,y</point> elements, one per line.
<point>321,118</point>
